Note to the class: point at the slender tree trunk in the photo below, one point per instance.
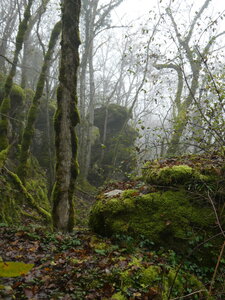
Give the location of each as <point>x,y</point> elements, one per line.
<point>51,175</point>
<point>181,119</point>
<point>82,127</point>
<point>12,16</point>
<point>34,19</point>
<point>91,111</point>
<point>5,105</point>
<point>66,119</point>
<point>32,114</point>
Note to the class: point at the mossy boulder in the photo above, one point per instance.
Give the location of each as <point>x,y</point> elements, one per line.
<point>116,116</point>
<point>13,106</point>
<point>173,209</point>
<point>113,154</point>
<point>166,218</point>
<point>191,167</point>
<point>17,96</point>
<point>174,175</point>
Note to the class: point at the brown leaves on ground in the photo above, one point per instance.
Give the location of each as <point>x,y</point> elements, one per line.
<point>75,266</point>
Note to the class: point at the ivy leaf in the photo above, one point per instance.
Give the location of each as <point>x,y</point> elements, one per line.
<point>14,269</point>
<point>100,251</point>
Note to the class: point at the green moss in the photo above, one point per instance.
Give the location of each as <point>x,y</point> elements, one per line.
<point>28,196</point>
<point>5,105</point>
<point>3,134</point>
<point>178,174</point>
<point>18,201</point>
<point>118,296</point>
<point>126,279</point>
<point>150,275</point>
<point>3,156</point>
<point>159,279</point>
<point>17,95</point>
<point>166,218</point>
<point>38,189</point>
<point>129,193</point>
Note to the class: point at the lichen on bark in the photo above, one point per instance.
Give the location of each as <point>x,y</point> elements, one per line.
<point>66,119</point>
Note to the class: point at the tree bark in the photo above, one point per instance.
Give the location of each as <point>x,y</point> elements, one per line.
<point>66,119</point>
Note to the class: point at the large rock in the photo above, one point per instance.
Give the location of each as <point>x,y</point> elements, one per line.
<point>173,211</point>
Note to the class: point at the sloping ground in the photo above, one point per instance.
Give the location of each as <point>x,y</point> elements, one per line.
<point>177,204</point>
<point>20,204</point>
<point>85,266</point>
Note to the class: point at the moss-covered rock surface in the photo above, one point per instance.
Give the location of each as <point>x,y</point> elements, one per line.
<point>113,154</point>
<point>170,206</point>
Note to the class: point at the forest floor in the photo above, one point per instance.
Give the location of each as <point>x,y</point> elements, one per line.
<point>83,265</point>
<point>79,266</point>
<point>76,266</point>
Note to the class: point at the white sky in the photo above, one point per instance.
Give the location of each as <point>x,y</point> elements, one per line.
<point>133,9</point>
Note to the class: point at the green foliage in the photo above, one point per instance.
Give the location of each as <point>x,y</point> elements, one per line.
<point>14,269</point>
<point>156,281</point>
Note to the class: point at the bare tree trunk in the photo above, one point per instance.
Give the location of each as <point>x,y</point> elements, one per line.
<point>95,17</point>
<point>26,47</point>
<point>51,174</point>
<point>66,119</point>
<point>91,111</point>
<point>10,23</point>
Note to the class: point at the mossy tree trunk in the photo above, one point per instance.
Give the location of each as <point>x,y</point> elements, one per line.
<point>66,119</point>
<point>32,114</point>
<point>5,105</point>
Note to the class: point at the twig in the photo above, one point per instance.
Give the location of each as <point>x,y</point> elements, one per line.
<point>182,297</point>
<point>216,214</point>
<point>9,61</point>
<point>223,246</point>
<point>216,268</point>
<point>183,260</point>
<point>11,118</point>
